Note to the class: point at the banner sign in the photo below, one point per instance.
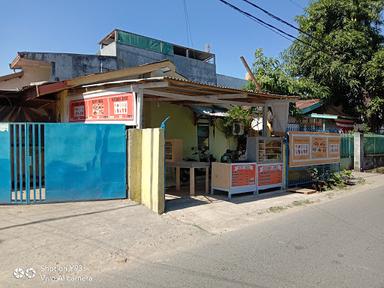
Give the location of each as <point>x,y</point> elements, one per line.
<point>109,108</point>
<point>243,174</point>
<point>313,148</point>
<point>269,174</point>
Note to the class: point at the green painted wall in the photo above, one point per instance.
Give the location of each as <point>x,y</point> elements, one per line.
<point>219,143</point>
<point>181,125</point>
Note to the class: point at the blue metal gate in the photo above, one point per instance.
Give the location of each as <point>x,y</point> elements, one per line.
<point>58,162</point>
<point>27,166</point>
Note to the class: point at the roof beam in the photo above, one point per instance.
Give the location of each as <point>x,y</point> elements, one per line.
<point>118,74</point>
<point>136,87</point>
<point>202,99</point>
<point>227,96</point>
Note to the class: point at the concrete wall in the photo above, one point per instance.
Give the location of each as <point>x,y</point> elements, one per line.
<point>195,70</point>
<point>128,56</point>
<point>373,161</point>
<point>109,50</point>
<point>117,56</point>
<point>364,161</point>
<point>146,168</point>
<point>67,65</point>
<point>181,125</point>
<point>31,74</point>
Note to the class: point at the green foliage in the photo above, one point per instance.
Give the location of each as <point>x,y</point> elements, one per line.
<point>375,113</point>
<point>374,73</point>
<point>339,58</point>
<point>274,76</point>
<point>345,55</point>
<point>335,180</point>
<point>238,114</point>
<point>330,180</point>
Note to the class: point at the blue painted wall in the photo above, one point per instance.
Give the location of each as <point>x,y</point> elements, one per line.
<point>85,162</point>
<point>5,165</point>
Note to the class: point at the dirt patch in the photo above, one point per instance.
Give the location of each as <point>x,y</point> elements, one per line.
<point>276,209</point>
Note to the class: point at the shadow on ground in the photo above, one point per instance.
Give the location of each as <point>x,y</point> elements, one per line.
<point>182,199</point>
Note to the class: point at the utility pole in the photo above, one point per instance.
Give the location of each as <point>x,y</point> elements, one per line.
<point>258,87</point>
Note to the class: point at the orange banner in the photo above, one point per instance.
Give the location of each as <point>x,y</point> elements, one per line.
<point>109,108</point>
<point>319,147</point>
<point>269,174</point>
<point>243,174</point>
<point>313,148</point>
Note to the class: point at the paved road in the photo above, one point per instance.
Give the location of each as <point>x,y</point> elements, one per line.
<point>334,244</point>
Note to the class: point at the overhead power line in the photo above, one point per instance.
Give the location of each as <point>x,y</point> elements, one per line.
<point>265,24</point>
<point>280,19</point>
<point>273,28</point>
<point>187,24</point>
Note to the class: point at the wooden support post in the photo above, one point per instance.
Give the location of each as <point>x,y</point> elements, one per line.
<point>207,180</point>
<point>265,120</point>
<point>139,112</point>
<point>192,181</point>
<point>177,179</point>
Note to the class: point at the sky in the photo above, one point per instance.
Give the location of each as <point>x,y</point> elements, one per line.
<point>78,26</point>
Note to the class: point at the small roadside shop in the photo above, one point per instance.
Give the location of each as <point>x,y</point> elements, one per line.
<point>197,143</point>
<point>192,137</point>
<point>191,114</point>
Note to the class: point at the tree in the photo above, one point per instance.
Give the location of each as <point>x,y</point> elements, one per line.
<point>274,76</point>
<point>338,57</point>
<point>342,49</point>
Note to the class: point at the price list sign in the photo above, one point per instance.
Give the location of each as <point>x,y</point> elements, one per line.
<point>243,174</point>
<point>269,174</point>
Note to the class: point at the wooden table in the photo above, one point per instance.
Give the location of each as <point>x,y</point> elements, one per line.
<point>191,165</point>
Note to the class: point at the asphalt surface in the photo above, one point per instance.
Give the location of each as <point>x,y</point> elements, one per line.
<point>334,244</point>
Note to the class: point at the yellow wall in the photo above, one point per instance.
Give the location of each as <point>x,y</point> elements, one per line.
<point>146,168</point>
<point>181,125</point>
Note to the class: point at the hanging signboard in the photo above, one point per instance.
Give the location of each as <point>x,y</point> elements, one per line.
<point>269,175</point>
<point>313,148</point>
<point>243,174</point>
<point>115,108</point>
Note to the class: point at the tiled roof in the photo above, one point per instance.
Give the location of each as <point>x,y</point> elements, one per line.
<point>303,104</point>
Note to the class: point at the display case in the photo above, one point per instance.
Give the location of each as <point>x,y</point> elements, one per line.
<point>267,152</point>
<point>263,169</point>
<point>234,178</point>
<point>173,150</point>
<point>265,149</point>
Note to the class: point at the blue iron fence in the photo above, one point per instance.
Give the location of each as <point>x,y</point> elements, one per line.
<point>347,146</point>
<point>373,144</point>
<point>299,176</point>
<point>346,151</point>
<point>298,127</point>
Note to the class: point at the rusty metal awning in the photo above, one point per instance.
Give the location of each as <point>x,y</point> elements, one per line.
<point>189,92</point>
